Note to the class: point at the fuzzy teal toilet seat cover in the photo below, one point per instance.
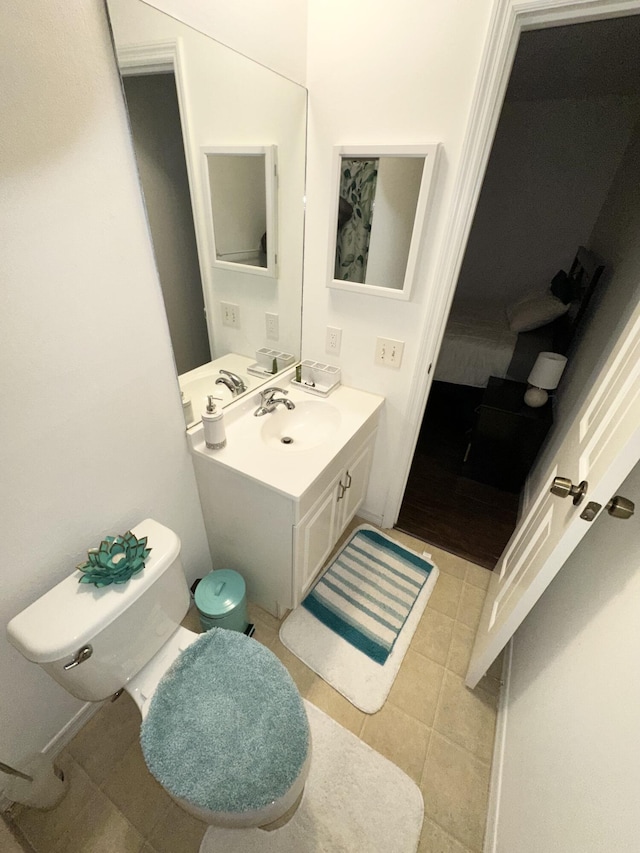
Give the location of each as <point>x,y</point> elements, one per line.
<point>226,728</point>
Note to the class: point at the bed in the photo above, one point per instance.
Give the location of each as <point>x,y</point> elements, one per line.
<point>488,340</point>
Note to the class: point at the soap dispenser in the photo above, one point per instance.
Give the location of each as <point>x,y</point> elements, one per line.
<point>187,409</point>
<point>213,425</point>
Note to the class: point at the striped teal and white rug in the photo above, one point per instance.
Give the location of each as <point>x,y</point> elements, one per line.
<point>355,625</point>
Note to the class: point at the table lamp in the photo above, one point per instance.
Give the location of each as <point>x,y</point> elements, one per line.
<point>544,377</point>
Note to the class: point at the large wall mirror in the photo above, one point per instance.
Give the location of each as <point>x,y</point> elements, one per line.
<point>189,99</point>
<point>381,196</point>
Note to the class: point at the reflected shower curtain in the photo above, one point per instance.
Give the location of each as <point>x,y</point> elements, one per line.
<point>358,189</point>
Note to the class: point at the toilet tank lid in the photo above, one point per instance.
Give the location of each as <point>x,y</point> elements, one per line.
<point>72,613</point>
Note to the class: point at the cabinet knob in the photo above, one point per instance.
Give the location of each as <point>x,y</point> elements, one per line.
<point>564,488</point>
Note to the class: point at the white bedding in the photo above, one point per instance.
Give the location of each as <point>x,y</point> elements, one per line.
<point>477,344</point>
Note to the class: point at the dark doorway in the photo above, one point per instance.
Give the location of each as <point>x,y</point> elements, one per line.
<point>442,505</point>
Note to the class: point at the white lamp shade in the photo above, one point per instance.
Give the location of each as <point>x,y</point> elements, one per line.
<point>547,370</point>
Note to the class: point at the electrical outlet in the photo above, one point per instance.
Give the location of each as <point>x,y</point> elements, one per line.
<point>389,352</point>
<point>334,340</point>
<point>230,314</point>
<point>272,324</point>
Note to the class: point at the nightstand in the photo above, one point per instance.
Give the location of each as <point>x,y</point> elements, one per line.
<point>507,435</point>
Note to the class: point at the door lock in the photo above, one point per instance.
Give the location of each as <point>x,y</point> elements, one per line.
<point>620,507</point>
<point>590,511</point>
<point>564,488</point>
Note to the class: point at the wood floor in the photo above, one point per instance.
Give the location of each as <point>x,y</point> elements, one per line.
<point>443,506</point>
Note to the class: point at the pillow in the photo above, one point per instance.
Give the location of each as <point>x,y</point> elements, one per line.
<point>535,312</point>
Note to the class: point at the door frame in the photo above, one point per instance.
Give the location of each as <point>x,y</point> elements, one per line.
<point>162,57</point>
<point>508,19</point>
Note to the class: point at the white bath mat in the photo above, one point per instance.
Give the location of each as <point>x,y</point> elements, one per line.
<point>354,800</point>
<point>329,634</point>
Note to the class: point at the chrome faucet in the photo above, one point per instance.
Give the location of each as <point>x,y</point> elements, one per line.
<point>232,381</point>
<point>268,402</point>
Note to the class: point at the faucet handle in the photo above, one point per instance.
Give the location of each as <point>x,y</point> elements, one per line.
<point>266,394</point>
<point>235,379</point>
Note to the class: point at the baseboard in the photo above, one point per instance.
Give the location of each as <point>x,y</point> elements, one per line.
<point>5,803</point>
<point>495,783</point>
<point>61,739</point>
<point>71,729</point>
<point>370,517</point>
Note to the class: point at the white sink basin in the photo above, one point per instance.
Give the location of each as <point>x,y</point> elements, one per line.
<point>308,425</point>
<point>257,447</point>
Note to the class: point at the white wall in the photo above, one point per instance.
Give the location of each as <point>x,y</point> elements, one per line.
<point>551,166</point>
<point>383,73</point>
<point>237,185</point>
<point>272,33</point>
<point>571,776</point>
<point>396,201</point>
<point>91,431</point>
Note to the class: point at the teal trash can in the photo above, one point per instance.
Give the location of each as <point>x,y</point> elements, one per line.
<point>221,599</point>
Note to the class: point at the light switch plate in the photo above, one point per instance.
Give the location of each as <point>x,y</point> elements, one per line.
<point>389,352</point>
<point>230,314</point>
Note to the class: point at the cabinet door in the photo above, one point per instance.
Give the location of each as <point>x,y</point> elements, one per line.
<point>315,537</point>
<point>353,487</point>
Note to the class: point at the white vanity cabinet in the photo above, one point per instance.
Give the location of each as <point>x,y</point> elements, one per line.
<point>278,527</point>
<point>316,534</point>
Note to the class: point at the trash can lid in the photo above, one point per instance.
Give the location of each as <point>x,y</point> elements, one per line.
<point>219,592</point>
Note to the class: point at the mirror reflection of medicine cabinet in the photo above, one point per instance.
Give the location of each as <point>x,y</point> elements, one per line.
<point>381,196</point>
<point>241,184</point>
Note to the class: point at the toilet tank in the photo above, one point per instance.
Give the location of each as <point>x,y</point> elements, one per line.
<point>125,624</point>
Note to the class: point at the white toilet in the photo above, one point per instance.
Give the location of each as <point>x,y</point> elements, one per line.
<point>233,764</point>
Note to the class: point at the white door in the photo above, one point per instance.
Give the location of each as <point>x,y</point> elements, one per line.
<point>601,448</point>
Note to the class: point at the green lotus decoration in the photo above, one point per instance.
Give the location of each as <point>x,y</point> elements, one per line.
<point>115,561</point>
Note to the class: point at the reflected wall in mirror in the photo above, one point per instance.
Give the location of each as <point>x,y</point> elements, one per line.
<point>242,206</point>
<point>185,93</point>
<point>381,198</point>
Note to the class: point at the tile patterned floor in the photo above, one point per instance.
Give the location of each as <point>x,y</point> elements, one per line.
<point>437,731</point>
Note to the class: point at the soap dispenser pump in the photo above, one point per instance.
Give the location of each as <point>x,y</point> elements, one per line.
<point>213,425</point>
